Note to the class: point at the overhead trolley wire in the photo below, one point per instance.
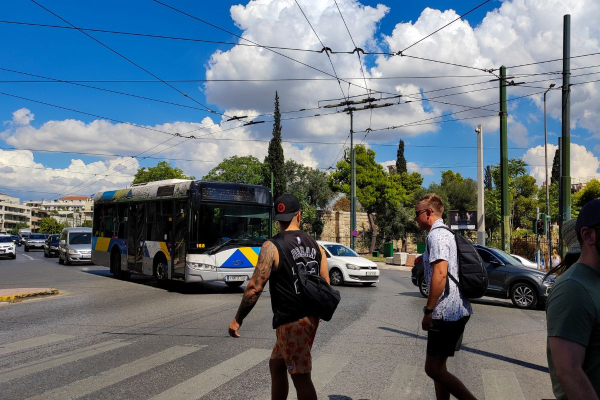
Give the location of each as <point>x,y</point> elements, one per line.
<point>449,23</point>
<point>207,109</point>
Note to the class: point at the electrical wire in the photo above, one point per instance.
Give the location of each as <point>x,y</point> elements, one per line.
<point>207,109</point>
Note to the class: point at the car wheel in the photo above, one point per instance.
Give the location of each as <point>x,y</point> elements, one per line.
<point>60,260</point>
<point>45,253</point>
<point>67,262</point>
<point>26,248</point>
<point>523,295</point>
<point>336,278</point>
<point>368,283</point>
<point>14,256</point>
<point>423,287</point>
<point>234,284</point>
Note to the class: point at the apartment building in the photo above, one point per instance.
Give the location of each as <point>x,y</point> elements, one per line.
<point>12,213</point>
<point>73,210</point>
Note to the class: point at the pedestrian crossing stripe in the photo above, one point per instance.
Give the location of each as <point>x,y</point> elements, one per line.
<point>31,343</point>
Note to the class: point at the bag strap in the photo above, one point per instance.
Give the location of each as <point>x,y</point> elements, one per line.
<point>447,288</point>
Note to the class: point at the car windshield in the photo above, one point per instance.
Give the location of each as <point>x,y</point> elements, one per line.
<point>37,236</point>
<point>5,239</point>
<point>507,258</point>
<point>338,250</point>
<point>80,238</point>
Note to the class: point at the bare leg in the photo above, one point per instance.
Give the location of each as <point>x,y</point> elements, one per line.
<point>279,379</point>
<point>445,382</point>
<point>304,386</point>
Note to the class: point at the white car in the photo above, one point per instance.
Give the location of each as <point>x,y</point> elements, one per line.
<point>525,261</point>
<point>345,266</point>
<point>7,247</point>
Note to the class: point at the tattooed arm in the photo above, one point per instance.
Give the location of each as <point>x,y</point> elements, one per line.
<point>267,260</point>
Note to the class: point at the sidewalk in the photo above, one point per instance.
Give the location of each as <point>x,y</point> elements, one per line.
<point>21,293</point>
<point>383,265</point>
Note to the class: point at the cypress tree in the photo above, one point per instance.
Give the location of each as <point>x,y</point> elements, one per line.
<point>487,180</point>
<point>555,177</point>
<point>275,161</point>
<point>400,160</point>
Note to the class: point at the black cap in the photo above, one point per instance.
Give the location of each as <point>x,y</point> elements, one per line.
<point>286,207</point>
<point>588,216</point>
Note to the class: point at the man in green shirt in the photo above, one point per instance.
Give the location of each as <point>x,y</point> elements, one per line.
<point>573,315</point>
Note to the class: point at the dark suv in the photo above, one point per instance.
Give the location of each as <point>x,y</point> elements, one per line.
<point>508,278</point>
<point>51,246</point>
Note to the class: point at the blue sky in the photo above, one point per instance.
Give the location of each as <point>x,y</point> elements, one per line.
<point>510,33</point>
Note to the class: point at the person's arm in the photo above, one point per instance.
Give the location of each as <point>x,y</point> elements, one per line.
<point>324,270</point>
<point>436,289</point>
<point>268,258</point>
<point>568,360</point>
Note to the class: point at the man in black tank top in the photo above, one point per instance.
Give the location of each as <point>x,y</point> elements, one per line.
<point>279,261</point>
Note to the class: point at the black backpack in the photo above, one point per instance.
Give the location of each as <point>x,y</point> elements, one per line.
<point>472,275</point>
<point>322,299</point>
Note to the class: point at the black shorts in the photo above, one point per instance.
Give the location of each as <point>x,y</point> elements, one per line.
<point>445,337</point>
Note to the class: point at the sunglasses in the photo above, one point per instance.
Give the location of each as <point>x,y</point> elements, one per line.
<point>419,212</point>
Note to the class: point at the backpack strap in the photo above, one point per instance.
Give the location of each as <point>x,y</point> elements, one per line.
<point>448,274</point>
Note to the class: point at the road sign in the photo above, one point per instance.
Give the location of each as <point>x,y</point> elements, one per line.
<point>355,233</point>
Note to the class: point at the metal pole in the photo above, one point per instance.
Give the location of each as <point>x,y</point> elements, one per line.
<point>505,223</point>
<point>548,230</point>
<point>480,198</point>
<point>566,121</point>
<point>560,197</point>
<point>538,253</point>
<point>353,185</point>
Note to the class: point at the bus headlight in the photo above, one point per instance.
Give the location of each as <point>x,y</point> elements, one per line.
<point>200,266</point>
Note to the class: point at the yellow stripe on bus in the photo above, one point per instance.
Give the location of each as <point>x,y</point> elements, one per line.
<point>163,247</point>
<point>102,244</point>
<point>250,254</point>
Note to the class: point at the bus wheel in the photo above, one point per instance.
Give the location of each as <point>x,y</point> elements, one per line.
<point>161,271</point>
<point>115,265</point>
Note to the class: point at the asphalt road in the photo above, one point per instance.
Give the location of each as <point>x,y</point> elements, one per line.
<point>103,338</point>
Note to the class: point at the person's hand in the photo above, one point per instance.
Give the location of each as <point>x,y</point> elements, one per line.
<point>233,328</point>
<point>427,322</point>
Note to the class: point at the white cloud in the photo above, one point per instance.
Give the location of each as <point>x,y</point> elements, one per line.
<point>22,116</point>
<point>597,148</point>
<point>584,165</point>
<point>517,132</point>
<point>414,167</point>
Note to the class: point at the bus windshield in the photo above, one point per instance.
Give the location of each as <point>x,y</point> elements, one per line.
<point>215,225</point>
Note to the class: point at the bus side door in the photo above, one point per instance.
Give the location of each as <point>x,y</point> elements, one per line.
<point>136,225</point>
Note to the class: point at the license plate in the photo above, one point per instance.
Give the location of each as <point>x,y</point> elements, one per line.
<point>235,278</point>
<point>371,273</point>
<point>85,256</point>
<point>2,251</point>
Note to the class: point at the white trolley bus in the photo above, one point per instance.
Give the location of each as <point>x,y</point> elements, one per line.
<point>182,229</point>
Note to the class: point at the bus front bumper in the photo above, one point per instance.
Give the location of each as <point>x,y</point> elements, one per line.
<point>221,274</point>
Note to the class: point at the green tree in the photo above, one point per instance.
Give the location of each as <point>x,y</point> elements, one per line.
<point>162,171</point>
<point>311,187</point>
<point>87,224</point>
<point>246,169</point>
<point>400,160</point>
<point>275,162</point>
<point>457,192</point>
<point>50,225</point>
<point>587,194</point>
<point>487,180</point>
<point>555,177</point>
<point>376,190</point>
<point>20,225</point>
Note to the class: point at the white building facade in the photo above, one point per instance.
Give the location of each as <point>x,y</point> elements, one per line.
<point>12,213</point>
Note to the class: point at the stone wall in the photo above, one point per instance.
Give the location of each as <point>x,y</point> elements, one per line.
<point>337,229</point>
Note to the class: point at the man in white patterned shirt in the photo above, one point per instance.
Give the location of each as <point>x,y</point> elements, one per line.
<point>447,311</point>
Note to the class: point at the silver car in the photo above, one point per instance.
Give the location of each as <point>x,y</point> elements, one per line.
<point>35,241</point>
<point>75,246</point>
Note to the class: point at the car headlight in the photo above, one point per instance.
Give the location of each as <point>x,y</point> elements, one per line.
<point>549,281</point>
<point>352,266</point>
<point>200,266</point>
<point>71,251</point>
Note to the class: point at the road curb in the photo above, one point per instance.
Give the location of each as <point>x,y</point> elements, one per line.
<point>26,294</point>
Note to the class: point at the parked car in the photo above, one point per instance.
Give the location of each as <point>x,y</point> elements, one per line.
<point>8,248</point>
<point>75,245</point>
<point>346,266</point>
<point>51,246</point>
<point>35,241</point>
<point>508,279</point>
<point>525,262</point>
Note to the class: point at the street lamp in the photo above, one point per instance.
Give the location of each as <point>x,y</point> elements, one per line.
<point>548,230</point>
<point>480,202</point>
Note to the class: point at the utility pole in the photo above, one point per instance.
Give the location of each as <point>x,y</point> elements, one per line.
<point>350,111</point>
<point>504,162</point>
<point>480,199</point>
<point>565,177</point>
<point>548,230</point>
<point>560,198</point>
<point>352,183</point>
